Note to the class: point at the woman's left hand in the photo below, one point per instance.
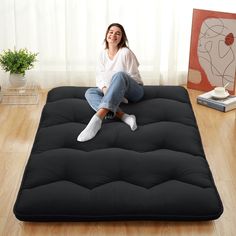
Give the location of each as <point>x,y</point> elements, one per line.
<point>104,90</point>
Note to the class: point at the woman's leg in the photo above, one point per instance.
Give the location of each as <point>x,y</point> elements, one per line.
<point>128,119</point>
<point>130,89</point>
<point>122,85</point>
<point>94,97</point>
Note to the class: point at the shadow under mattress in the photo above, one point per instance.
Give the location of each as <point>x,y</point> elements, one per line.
<point>158,172</point>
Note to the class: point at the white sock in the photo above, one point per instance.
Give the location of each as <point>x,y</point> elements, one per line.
<point>130,120</point>
<point>91,129</point>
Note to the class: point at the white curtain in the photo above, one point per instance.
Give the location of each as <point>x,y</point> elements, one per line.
<point>69,34</point>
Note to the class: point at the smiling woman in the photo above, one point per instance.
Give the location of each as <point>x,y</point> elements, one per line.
<point>115,39</point>
<point>115,35</point>
<point>117,80</point>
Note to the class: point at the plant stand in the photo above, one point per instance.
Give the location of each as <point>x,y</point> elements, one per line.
<point>27,94</point>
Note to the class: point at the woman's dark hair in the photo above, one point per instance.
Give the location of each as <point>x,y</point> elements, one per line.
<point>124,39</point>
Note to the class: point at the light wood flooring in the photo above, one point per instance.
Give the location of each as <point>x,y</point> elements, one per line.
<point>18,124</point>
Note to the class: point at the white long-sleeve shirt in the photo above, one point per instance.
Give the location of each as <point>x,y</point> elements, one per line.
<point>124,60</point>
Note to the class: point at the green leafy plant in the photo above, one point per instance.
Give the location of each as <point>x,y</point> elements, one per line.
<point>17,61</point>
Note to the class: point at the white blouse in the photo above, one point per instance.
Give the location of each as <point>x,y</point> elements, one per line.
<point>124,60</point>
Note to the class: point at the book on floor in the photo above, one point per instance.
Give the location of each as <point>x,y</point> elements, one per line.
<point>224,104</point>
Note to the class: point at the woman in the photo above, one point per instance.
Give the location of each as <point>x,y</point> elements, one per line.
<point>118,80</point>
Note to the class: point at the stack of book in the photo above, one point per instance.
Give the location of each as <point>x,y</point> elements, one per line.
<point>225,104</point>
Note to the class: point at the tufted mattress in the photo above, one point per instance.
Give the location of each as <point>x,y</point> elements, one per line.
<point>158,172</point>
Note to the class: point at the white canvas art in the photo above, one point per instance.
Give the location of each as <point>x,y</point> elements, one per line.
<point>216,51</point>
<point>212,58</point>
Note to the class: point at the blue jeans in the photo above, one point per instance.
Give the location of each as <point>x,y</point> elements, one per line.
<point>122,85</point>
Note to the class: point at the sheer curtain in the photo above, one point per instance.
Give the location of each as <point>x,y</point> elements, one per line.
<point>69,34</point>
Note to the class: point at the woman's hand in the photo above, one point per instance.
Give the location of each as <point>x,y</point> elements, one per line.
<point>104,90</point>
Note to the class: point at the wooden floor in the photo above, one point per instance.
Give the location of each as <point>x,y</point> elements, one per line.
<point>18,127</point>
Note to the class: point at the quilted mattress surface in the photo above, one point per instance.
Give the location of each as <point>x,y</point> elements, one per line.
<point>158,172</point>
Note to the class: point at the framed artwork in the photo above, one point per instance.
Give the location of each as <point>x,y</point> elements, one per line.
<point>212,59</point>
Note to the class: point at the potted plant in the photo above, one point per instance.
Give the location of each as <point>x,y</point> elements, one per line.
<point>17,62</point>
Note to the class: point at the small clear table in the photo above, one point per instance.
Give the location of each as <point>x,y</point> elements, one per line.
<point>28,94</point>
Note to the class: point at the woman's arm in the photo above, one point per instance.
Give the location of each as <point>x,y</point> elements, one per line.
<point>132,65</point>
<point>104,90</point>
<point>100,72</point>
<point>103,76</point>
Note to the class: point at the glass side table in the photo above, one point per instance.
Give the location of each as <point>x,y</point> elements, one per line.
<point>28,94</point>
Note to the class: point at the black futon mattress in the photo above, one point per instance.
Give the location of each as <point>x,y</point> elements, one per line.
<point>158,172</point>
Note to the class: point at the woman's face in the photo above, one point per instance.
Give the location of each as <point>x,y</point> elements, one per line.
<point>114,36</point>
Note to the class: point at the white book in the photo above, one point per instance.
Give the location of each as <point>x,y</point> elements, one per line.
<point>225,104</point>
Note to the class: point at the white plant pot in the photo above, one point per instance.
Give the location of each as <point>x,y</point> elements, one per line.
<point>17,80</point>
